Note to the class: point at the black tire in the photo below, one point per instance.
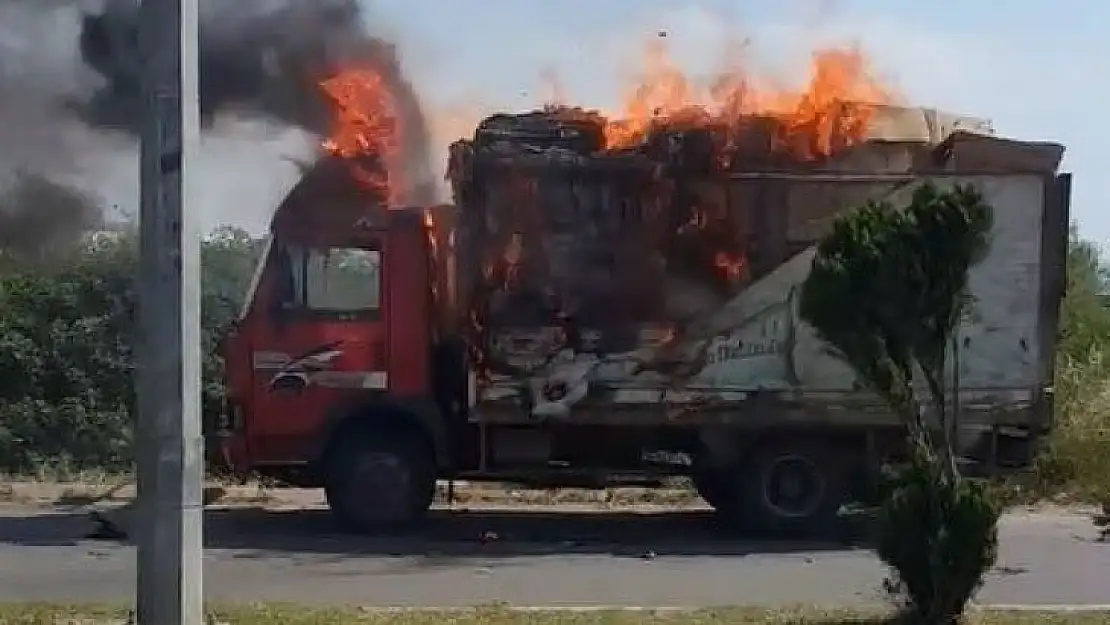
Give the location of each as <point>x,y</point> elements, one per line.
<point>380,481</point>
<point>794,488</point>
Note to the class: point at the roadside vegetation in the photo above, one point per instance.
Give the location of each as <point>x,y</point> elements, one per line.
<point>1076,464</point>
<point>66,340</point>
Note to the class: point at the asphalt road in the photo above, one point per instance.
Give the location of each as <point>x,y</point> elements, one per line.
<point>537,558</point>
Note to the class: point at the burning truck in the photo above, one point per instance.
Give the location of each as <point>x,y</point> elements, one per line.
<point>604,304</point>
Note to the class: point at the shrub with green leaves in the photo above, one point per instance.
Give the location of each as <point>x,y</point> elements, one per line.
<point>940,536</point>
<point>887,290</point>
<point>66,341</point>
<point>1077,460</point>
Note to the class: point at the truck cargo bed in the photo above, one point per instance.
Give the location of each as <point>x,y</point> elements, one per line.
<point>610,288</point>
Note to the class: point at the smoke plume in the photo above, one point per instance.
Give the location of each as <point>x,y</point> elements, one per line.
<point>42,204</point>
<point>262,57</point>
<point>69,74</point>
<point>40,218</point>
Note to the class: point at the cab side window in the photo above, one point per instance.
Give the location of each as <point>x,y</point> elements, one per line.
<point>335,280</point>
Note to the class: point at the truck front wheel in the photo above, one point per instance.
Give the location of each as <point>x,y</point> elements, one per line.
<point>380,481</point>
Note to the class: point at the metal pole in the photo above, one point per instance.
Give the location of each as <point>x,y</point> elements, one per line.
<point>168,432</point>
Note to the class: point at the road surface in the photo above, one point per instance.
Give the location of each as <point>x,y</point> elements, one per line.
<point>527,558</point>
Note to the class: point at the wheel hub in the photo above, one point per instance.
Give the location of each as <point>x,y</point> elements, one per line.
<point>380,485</point>
<point>793,487</point>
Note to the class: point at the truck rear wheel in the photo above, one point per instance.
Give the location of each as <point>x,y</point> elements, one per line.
<point>380,481</point>
<point>794,488</point>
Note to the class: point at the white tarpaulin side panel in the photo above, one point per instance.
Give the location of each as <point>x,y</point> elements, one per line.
<point>756,345</point>
<point>627,282</point>
<point>772,349</point>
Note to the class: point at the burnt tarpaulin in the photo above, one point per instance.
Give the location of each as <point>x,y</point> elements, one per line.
<point>587,272</point>
<point>575,253</point>
<point>560,230</point>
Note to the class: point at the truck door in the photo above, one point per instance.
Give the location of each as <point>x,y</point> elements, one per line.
<point>322,340</point>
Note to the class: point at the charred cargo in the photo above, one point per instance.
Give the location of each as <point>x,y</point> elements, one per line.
<point>610,285</point>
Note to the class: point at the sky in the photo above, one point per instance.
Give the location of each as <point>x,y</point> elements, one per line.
<point>1029,66</point>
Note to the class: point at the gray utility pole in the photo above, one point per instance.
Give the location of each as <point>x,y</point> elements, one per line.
<point>170,445</point>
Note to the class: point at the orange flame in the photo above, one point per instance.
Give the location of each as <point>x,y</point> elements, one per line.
<point>831,111</point>
<point>733,267</point>
<point>366,130</point>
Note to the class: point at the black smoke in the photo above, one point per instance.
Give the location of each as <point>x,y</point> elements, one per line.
<point>44,211</point>
<point>40,218</point>
<point>259,57</point>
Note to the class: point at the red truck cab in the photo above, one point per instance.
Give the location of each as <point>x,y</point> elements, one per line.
<point>330,365</point>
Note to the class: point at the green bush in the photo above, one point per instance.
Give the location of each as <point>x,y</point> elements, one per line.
<point>940,538</point>
<point>1076,463</point>
<point>65,364</point>
<point>906,272</point>
<point>66,339</point>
